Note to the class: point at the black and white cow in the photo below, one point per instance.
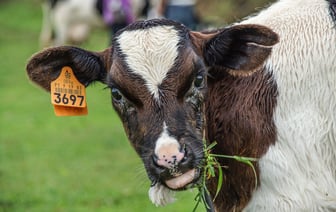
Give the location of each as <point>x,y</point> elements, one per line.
<point>262,88</point>
<point>70,21</point>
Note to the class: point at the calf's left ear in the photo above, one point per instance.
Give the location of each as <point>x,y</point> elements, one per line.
<point>45,66</point>
<point>240,48</point>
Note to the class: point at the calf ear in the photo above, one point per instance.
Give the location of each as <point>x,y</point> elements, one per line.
<point>239,48</point>
<point>45,66</point>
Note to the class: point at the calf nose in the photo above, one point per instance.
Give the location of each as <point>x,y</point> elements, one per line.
<point>169,155</point>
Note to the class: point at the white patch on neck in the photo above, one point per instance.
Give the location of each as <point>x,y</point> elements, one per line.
<point>150,53</point>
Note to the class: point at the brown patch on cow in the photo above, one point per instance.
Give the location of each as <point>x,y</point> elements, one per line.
<point>181,76</point>
<point>239,115</point>
<point>131,85</point>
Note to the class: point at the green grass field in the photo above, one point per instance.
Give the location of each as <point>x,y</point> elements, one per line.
<point>50,163</point>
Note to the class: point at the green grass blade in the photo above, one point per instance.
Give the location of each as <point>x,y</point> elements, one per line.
<point>220,181</point>
<point>210,146</point>
<point>244,159</point>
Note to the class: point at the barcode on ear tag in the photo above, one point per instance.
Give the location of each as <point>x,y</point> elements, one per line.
<point>68,94</point>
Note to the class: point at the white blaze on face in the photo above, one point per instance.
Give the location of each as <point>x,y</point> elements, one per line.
<point>150,53</point>
<point>167,146</point>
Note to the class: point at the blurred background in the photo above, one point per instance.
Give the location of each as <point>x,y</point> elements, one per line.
<point>50,163</point>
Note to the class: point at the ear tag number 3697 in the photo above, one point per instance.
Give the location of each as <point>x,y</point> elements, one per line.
<point>68,94</point>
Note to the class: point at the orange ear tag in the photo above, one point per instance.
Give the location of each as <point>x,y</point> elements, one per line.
<point>68,94</point>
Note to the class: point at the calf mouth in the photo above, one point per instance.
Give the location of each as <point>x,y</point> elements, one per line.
<point>184,180</point>
<point>185,174</point>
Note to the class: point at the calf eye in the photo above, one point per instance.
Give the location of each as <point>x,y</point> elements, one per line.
<point>116,94</point>
<point>199,81</point>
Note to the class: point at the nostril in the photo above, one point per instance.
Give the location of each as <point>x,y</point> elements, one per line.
<point>183,149</point>
<point>162,161</point>
<point>185,156</point>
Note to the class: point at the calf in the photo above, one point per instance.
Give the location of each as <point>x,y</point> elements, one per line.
<point>172,87</point>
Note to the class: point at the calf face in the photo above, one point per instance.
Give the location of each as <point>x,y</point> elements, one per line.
<point>157,71</point>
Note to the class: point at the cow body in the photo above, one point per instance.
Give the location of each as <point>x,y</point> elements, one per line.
<point>302,160</point>
<point>297,172</point>
<point>238,86</point>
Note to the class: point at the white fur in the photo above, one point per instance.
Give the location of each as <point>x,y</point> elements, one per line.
<point>161,195</point>
<point>165,140</point>
<point>298,173</point>
<point>150,53</point>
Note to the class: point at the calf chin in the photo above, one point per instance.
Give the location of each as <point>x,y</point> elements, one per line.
<point>160,195</point>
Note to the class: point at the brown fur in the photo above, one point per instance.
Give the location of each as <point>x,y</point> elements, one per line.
<point>239,115</point>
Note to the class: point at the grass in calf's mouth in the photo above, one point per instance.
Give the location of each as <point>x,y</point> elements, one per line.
<point>210,166</point>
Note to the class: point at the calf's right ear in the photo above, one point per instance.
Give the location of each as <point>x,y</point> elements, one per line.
<point>45,66</point>
<point>239,49</point>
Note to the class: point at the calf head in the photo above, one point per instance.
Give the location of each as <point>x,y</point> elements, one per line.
<point>157,71</point>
